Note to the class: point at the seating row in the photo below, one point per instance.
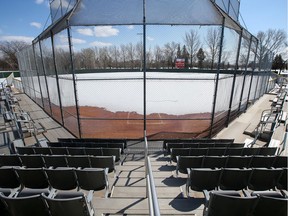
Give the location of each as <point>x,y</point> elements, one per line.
<point>184,162</point>
<point>221,151</point>
<point>88,144</point>
<point>42,204</point>
<point>70,151</point>
<point>196,140</point>
<point>94,140</point>
<point>16,181</point>
<point>227,205</point>
<point>29,186</point>
<point>169,146</point>
<point>39,161</point>
<point>233,179</point>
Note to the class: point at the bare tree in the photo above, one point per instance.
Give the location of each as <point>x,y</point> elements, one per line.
<point>213,41</point>
<point>170,51</point>
<point>9,50</point>
<point>271,41</point>
<point>192,42</point>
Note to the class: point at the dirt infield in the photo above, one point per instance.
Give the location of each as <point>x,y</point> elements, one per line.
<point>101,123</point>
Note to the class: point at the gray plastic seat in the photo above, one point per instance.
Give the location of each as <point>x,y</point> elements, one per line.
<point>202,179</point>
<point>178,152</point>
<point>72,206</point>
<point>76,150</point>
<point>263,179</point>
<point>268,205</point>
<point>238,162</point>
<point>260,161</point>
<point>42,150</point>
<point>32,161</point>
<point>184,162</point>
<point>112,152</point>
<point>55,161</point>
<point>25,206</point>
<point>214,162</point>
<point>103,162</point>
<point>63,178</point>
<point>10,160</point>
<point>33,178</point>
<point>25,150</point>
<point>225,205</point>
<point>8,180</point>
<point>234,179</point>
<point>93,179</point>
<point>80,161</point>
<point>94,151</point>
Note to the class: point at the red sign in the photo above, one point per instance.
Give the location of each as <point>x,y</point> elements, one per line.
<point>180,63</point>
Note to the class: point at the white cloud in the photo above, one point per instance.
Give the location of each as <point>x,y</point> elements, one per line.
<point>36,24</point>
<point>99,31</point>
<point>16,38</point>
<point>86,31</point>
<point>78,41</point>
<point>39,1</point>
<point>150,38</point>
<point>130,27</point>
<point>105,31</point>
<point>100,44</point>
<point>63,3</point>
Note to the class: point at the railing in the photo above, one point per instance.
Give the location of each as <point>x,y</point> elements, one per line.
<point>150,185</point>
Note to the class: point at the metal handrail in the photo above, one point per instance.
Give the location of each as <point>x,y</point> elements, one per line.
<point>150,185</point>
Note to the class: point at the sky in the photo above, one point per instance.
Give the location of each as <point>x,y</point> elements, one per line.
<point>26,19</point>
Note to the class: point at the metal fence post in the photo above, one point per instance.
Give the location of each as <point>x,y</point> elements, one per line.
<point>217,77</point>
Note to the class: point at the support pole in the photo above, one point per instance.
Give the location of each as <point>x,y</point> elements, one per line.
<point>74,79</point>
<point>217,77</point>
<point>234,78</point>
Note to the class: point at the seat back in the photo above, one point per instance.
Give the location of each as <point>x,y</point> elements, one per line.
<point>280,162</point>
<point>112,152</point>
<point>42,150</point>
<point>62,178</point>
<point>74,206</point>
<point>32,161</point>
<point>10,160</point>
<point>259,161</point>
<point>204,179</point>
<point>238,162</point>
<point>32,178</point>
<point>92,178</point>
<point>55,161</point>
<point>214,162</point>
<point>103,162</point>
<point>81,161</point>
<point>282,181</point>
<point>263,179</point>
<point>267,151</point>
<point>216,151</point>
<point>234,179</point>
<point>25,150</point>
<point>8,178</point>
<point>198,151</point>
<point>250,151</point>
<point>25,206</point>
<point>179,152</point>
<point>233,151</point>
<point>185,162</point>
<point>271,206</point>
<point>94,151</point>
<point>59,150</point>
<point>224,205</point>
<point>76,150</point>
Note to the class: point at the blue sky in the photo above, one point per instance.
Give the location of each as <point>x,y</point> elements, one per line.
<point>25,19</point>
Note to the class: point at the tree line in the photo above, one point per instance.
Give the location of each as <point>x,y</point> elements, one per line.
<point>194,53</point>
